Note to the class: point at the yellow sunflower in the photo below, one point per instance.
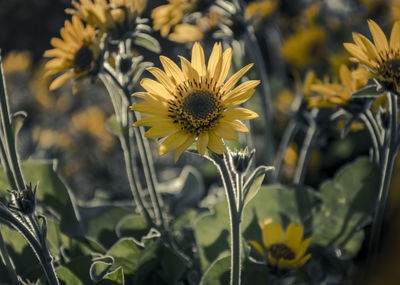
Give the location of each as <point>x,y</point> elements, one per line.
<point>74,54</point>
<point>165,17</point>
<point>382,60</point>
<point>330,95</point>
<point>186,33</point>
<point>285,251</point>
<point>111,15</point>
<point>195,101</point>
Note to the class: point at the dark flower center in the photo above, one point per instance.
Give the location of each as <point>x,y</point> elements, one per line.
<point>125,65</point>
<point>199,105</point>
<point>390,69</point>
<point>279,251</point>
<point>83,59</point>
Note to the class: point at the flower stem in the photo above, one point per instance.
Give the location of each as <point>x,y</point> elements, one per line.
<point>7,261</point>
<point>254,51</point>
<point>305,153</point>
<point>44,257</point>
<point>390,150</point>
<point>369,122</point>
<point>7,136</point>
<point>234,216</point>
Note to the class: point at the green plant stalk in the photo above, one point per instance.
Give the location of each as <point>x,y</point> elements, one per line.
<point>255,52</point>
<point>7,260</point>
<point>8,139</point>
<point>6,165</point>
<point>390,151</point>
<point>234,218</point>
<point>44,259</point>
<point>131,168</point>
<point>305,153</point>
<point>370,124</point>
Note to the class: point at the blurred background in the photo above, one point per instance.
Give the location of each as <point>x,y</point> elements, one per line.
<point>296,36</point>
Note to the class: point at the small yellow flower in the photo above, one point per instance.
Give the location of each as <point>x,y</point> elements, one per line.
<point>382,59</point>
<point>284,251</point>
<point>195,101</point>
<point>112,16</point>
<point>260,9</point>
<point>17,61</point>
<point>186,33</point>
<point>74,54</point>
<point>165,17</point>
<point>330,95</point>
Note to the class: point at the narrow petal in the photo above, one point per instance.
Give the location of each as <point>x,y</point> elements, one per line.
<point>235,78</point>
<point>190,73</point>
<point>302,249</point>
<point>235,125</point>
<point>161,130</point>
<point>163,78</point>
<point>242,88</point>
<point>345,75</point>
<point>156,88</point>
<point>233,101</point>
<point>172,142</point>
<point>215,62</point>
<point>379,37</point>
<point>302,261</point>
<point>225,132</point>
<point>272,234</point>
<point>61,80</point>
<point>395,37</point>
<point>180,149</point>
<point>202,143</point>
<point>149,109</point>
<point>215,143</point>
<point>257,247</point>
<point>198,60</point>
<point>240,114</point>
<point>294,236</point>
<point>150,121</point>
<point>225,66</point>
<point>172,70</point>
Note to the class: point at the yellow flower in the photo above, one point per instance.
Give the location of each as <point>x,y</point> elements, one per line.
<point>304,47</point>
<point>285,251</point>
<point>186,33</point>
<point>165,17</point>
<point>330,95</point>
<point>17,61</point>
<point>382,60</point>
<point>75,54</point>
<point>111,15</point>
<point>195,102</point>
<point>260,9</point>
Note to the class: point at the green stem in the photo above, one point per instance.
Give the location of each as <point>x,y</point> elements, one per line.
<point>44,258</point>
<point>8,136</point>
<point>254,51</point>
<point>234,217</point>
<point>390,151</point>
<point>7,260</point>
<point>305,153</point>
<point>369,122</point>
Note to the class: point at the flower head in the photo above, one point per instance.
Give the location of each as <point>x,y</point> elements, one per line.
<point>329,95</point>
<point>74,54</point>
<point>381,58</point>
<point>284,251</point>
<point>195,101</point>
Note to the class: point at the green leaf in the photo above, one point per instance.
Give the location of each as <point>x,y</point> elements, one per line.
<point>218,273</point>
<point>76,271</point>
<point>17,121</point>
<point>114,127</point>
<point>172,265</point>
<point>253,184</point>
<point>100,267</point>
<point>132,226</point>
<point>147,41</point>
<point>114,278</point>
<point>367,92</point>
<point>126,254</point>
<point>347,204</point>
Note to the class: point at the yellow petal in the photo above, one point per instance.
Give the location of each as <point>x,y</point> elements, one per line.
<point>180,149</point>
<point>240,114</point>
<point>215,62</point>
<point>345,75</point>
<point>379,37</point>
<point>172,142</point>
<point>235,125</point>
<point>293,236</point>
<point>150,121</point>
<point>225,132</point>
<point>235,78</point>
<point>271,234</point>
<point>202,143</point>
<point>237,100</point>
<point>242,88</point>
<point>156,88</point>
<point>302,249</point>
<point>190,73</point>
<point>215,143</point>
<point>61,80</point>
<point>302,261</point>
<point>198,60</point>
<point>149,109</point>
<point>257,247</point>
<point>163,78</point>
<point>172,70</point>
<point>161,130</point>
<point>395,37</point>
<point>225,66</point>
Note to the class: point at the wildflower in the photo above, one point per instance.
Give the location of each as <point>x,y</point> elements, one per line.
<point>195,102</point>
<point>113,16</point>
<point>382,60</point>
<point>165,17</point>
<point>75,54</point>
<point>15,62</point>
<point>240,160</point>
<point>284,251</point>
<point>330,95</point>
<point>185,33</point>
